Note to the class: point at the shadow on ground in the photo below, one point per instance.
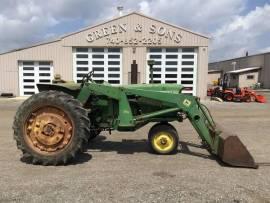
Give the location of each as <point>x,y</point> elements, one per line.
<point>132,146</point>
<point>80,159</point>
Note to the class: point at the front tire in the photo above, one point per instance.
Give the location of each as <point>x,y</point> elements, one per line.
<point>51,128</point>
<point>163,139</point>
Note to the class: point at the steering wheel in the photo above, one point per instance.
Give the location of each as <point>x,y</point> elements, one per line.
<point>87,77</point>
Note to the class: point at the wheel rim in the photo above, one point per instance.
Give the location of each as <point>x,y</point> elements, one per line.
<point>48,130</point>
<point>229,97</point>
<point>252,98</point>
<point>163,141</point>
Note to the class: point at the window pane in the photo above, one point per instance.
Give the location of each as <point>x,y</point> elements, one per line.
<point>45,81</point>
<point>155,50</point>
<point>187,69</point>
<point>171,56</point>
<point>28,74</point>
<point>187,75</point>
<point>155,56</point>
<point>98,62</point>
<point>171,62</point>
<point>114,69</point>
<point>44,74</point>
<point>97,50</point>
<point>114,81</point>
<point>28,63</point>
<point>187,49</point>
<point>98,56</point>
<point>171,75</point>
<point>28,68</point>
<point>188,56</point>
<point>98,75</point>
<point>113,56</point>
<point>114,50</point>
<point>171,69</point>
<point>82,49</point>
<point>98,69</point>
<point>44,68</point>
<point>114,62</point>
<point>172,50</point>
<point>82,69</point>
<point>44,63</point>
<point>187,82</point>
<point>82,56</point>
<point>114,75</point>
<point>187,62</point>
<point>82,62</point>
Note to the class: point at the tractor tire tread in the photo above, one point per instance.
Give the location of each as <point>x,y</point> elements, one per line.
<point>76,113</point>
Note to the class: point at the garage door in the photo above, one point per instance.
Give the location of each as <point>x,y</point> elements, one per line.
<point>33,72</point>
<point>106,63</point>
<point>174,65</point>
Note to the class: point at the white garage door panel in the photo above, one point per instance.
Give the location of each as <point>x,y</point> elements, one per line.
<point>106,63</point>
<point>174,65</point>
<point>33,72</point>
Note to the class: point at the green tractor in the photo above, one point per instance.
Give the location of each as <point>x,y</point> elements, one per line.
<point>53,126</point>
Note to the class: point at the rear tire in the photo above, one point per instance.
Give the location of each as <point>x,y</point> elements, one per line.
<point>51,128</point>
<point>94,133</point>
<point>163,139</point>
<point>228,97</point>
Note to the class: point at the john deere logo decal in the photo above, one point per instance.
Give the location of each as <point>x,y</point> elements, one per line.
<point>186,102</point>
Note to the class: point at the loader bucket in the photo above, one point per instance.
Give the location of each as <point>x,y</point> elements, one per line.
<point>233,152</point>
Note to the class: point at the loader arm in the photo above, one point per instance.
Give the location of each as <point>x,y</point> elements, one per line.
<point>226,146</point>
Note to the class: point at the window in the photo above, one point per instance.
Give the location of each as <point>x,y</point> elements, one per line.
<point>250,77</point>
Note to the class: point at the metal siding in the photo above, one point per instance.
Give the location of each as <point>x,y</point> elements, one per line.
<point>61,57</point>
<point>212,77</point>
<point>188,38</point>
<point>262,60</point>
<point>265,74</point>
<point>244,82</point>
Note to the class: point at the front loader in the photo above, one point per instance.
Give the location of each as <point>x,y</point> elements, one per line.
<point>53,126</point>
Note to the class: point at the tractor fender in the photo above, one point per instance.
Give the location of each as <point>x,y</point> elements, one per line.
<point>73,89</point>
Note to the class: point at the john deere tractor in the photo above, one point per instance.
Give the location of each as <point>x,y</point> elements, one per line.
<point>53,126</point>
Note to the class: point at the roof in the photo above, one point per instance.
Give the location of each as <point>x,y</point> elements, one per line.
<point>244,70</point>
<point>140,14</point>
<point>241,57</point>
<point>90,27</point>
<point>214,71</point>
<point>31,46</point>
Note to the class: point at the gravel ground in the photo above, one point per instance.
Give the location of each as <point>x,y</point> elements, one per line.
<point>118,167</point>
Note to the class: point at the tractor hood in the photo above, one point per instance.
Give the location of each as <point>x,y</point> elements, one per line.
<point>172,88</point>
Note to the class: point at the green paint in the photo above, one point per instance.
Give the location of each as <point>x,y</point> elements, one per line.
<point>129,107</point>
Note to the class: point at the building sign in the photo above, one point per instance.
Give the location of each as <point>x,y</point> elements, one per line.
<point>112,33</point>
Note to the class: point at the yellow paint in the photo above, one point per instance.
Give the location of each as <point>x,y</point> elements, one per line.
<point>163,142</point>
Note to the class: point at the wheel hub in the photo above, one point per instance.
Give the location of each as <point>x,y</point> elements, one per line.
<point>48,129</point>
<point>163,141</point>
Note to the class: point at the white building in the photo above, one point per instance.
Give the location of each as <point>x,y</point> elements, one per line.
<point>110,49</point>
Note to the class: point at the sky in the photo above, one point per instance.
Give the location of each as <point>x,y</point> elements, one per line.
<point>234,26</point>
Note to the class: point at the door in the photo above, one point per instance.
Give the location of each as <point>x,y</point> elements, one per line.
<point>174,65</point>
<point>105,62</point>
<point>33,72</point>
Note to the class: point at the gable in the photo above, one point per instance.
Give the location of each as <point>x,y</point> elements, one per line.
<point>135,30</point>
